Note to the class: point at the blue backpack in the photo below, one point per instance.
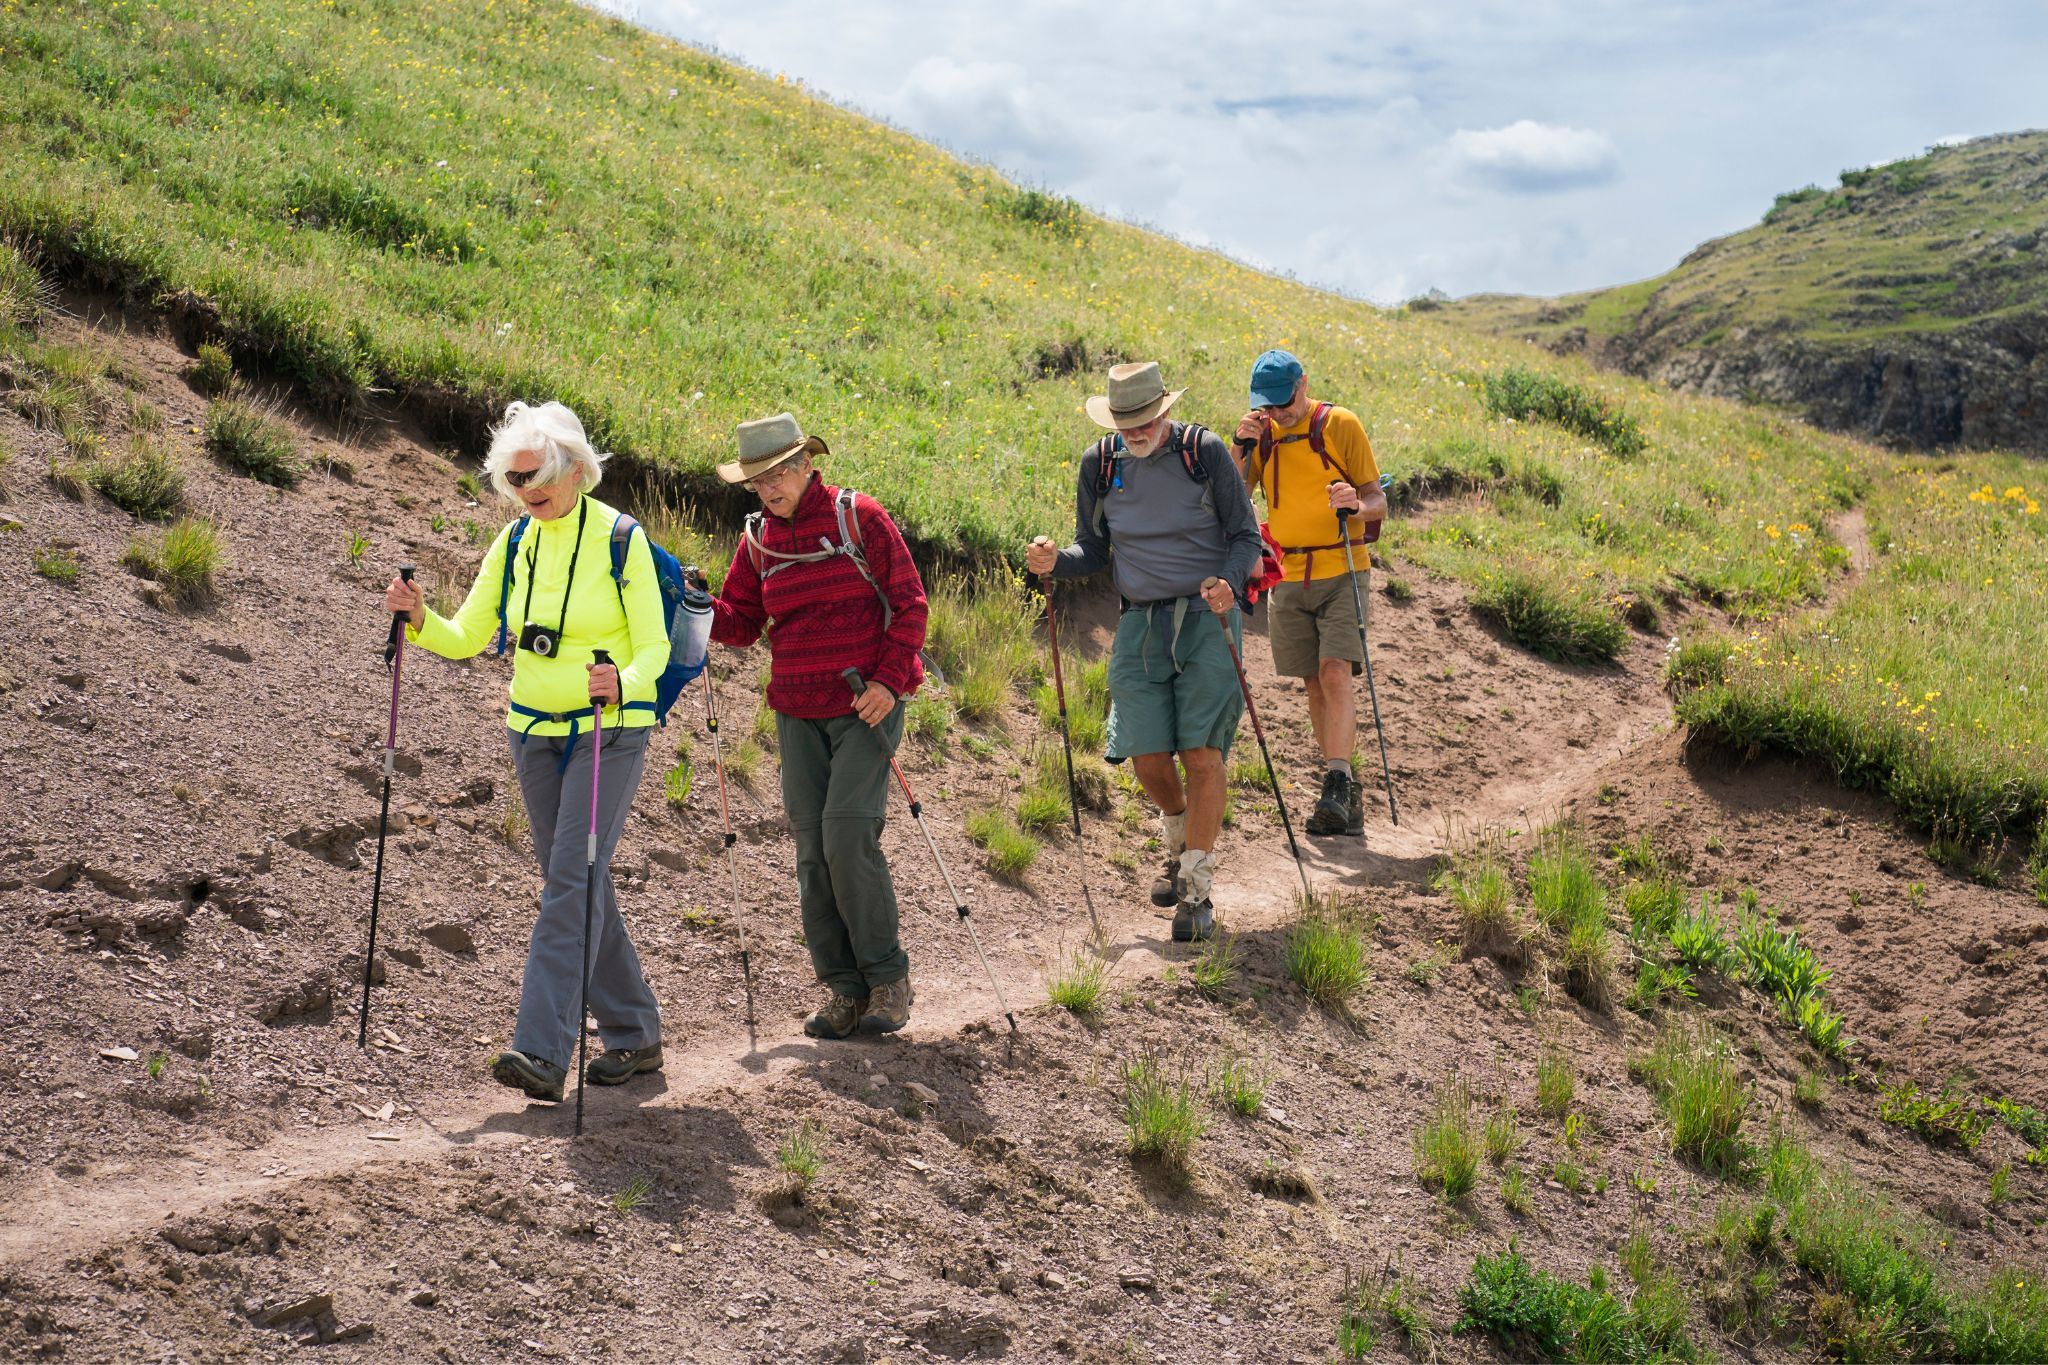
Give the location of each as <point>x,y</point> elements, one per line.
<point>668,572</point>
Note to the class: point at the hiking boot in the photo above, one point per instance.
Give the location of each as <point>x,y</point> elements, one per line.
<point>618,1064</point>
<point>1193,921</point>
<point>838,1018</point>
<point>888,1007</point>
<point>1332,814</point>
<point>1166,890</point>
<point>1354,823</point>
<point>540,1078</point>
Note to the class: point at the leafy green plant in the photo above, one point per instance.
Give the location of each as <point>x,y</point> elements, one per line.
<point>677,781</point>
<point>1447,1147</point>
<point>358,545</point>
<point>1697,938</point>
<point>1162,1119</point>
<point>1535,1316</point>
<point>1950,1116</point>
<point>250,439</point>
<point>1327,952</point>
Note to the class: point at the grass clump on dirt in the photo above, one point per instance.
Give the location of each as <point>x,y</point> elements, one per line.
<point>1011,851</point>
<point>802,1152</point>
<point>979,633</point>
<point>1161,1115</point>
<point>1477,879</point>
<point>212,372</point>
<point>1524,394</point>
<point>246,438</point>
<point>146,482</point>
<point>1448,1146</point>
<point>1533,1315</point>
<point>1694,1075</point>
<point>58,563</point>
<point>1087,703</point>
<point>1212,970</point>
<point>1388,1302</point>
<point>1554,1081</point>
<point>181,561</point>
<point>1241,1086</point>
<point>1552,618</point>
<point>1328,954</point>
<point>1077,982</point>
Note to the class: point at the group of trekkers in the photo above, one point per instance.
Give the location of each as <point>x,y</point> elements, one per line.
<point>578,594</point>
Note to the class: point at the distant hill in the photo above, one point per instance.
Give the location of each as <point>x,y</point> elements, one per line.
<point>1909,303</point>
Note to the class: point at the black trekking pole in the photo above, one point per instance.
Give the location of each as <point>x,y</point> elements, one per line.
<point>853,680</point>
<point>1059,687</point>
<point>725,813</point>
<point>600,658</point>
<point>1272,776</point>
<point>1358,601</point>
<point>394,659</point>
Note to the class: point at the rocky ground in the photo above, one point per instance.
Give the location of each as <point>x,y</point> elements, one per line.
<point>198,1163</point>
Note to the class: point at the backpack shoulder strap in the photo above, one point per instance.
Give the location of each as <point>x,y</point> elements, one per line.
<point>849,524</point>
<point>622,535</point>
<point>750,536</point>
<point>505,583</point>
<point>1316,418</point>
<point>1191,434</point>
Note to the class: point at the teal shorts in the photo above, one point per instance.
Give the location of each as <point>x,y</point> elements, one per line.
<point>1168,694</point>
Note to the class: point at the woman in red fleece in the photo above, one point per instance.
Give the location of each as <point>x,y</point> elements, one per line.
<point>828,576</point>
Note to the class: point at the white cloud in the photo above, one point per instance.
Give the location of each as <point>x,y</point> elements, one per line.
<point>1535,158</point>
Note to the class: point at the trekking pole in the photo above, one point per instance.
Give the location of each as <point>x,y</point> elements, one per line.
<point>725,813</point>
<point>853,680</point>
<point>1272,776</point>
<point>600,658</point>
<point>1059,687</point>
<point>394,659</point>
<point>1358,601</point>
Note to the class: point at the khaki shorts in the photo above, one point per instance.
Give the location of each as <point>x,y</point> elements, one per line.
<point>1317,620</point>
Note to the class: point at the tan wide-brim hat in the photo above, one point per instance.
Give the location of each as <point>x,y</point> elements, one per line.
<point>1137,395</point>
<point>766,443</point>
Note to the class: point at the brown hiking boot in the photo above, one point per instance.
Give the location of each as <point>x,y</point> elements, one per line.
<point>1166,890</point>
<point>888,1007</point>
<point>616,1065</point>
<point>540,1078</point>
<point>838,1017</point>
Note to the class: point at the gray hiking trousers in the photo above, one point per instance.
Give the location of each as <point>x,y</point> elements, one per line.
<point>558,806</point>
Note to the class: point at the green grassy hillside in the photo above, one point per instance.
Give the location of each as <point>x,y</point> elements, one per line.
<point>466,204</point>
<point>1919,246</point>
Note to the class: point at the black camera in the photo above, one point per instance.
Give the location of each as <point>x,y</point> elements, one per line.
<point>538,638</point>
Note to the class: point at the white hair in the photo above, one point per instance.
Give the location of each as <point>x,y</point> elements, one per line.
<point>550,431</point>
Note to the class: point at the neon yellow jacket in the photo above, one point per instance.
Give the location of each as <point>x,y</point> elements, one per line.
<point>636,638</point>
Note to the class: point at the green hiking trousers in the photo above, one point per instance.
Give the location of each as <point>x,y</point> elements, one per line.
<point>835,788</point>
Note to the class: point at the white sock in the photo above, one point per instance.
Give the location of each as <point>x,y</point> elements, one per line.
<point>1197,871</point>
<point>1176,831</point>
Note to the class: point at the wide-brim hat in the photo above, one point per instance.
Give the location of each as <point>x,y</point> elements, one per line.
<point>766,443</point>
<point>1137,395</point>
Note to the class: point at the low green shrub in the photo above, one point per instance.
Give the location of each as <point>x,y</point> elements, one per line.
<point>1522,394</point>
<point>1562,622</point>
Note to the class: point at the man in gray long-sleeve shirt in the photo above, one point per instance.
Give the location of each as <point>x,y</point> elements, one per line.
<point>1163,504</point>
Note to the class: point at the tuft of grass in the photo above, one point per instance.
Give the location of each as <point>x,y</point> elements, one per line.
<point>633,1195</point>
<point>511,824</point>
<point>181,562</point>
<point>979,632</point>
<point>1554,1081</point>
<point>1077,981</point>
<point>1011,851</point>
<point>1477,880</point>
<point>1503,1134</point>
<point>1161,1116</point>
<point>1699,662</point>
<point>471,487</point>
<point>1391,1300</point>
<point>1087,705</point>
<point>1398,589</point>
<point>1241,1086</point>
<point>1654,905</point>
<point>1514,1192</point>
<point>1447,1147</point>
<point>1557,620</point>
<point>1810,1091</point>
<point>1563,885</point>
<point>1328,955</point>
<point>744,760</point>
<point>802,1152</point>
<point>212,373</point>
<point>1524,394</point>
<point>929,718</point>
<point>146,482</point>
<point>58,563</point>
<point>250,439</point>
<point>1213,968</point>
<point>1533,1315</point>
<point>1694,1074</point>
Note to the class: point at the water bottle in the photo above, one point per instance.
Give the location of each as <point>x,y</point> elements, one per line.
<point>690,633</point>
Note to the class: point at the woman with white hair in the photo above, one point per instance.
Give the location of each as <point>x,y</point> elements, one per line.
<point>555,603</point>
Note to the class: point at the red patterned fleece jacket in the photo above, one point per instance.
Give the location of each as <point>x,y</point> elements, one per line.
<point>823,618</point>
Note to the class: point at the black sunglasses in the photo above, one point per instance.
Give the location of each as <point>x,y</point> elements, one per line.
<point>519,478</point>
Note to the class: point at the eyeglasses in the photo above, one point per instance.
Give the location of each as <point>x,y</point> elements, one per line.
<point>773,478</point>
<point>519,478</point>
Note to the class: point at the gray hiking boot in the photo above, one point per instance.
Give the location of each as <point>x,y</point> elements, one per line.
<point>1194,921</point>
<point>1333,808</point>
<point>837,1018</point>
<point>888,1007</point>
<point>540,1078</point>
<point>616,1065</point>
<point>1166,890</point>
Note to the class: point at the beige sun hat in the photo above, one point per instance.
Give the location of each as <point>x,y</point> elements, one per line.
<point>766,443</point>
<point>1136,396</point>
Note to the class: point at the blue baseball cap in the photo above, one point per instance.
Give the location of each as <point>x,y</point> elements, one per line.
<point>1273,377</point>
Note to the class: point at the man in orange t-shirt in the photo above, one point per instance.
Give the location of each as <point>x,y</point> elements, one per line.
<point>1310,460</point>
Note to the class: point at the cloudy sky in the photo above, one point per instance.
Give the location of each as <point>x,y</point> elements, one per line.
<point>1385,147</point>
